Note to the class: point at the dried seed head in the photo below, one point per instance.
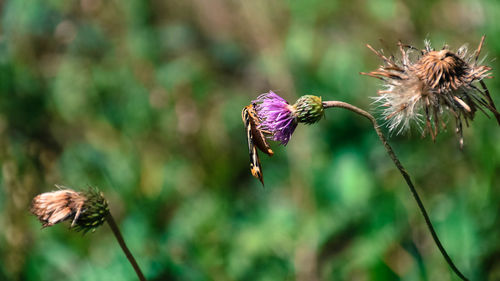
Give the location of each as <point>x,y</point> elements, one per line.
<point>441,70</point>
<point>87,210</point>
<point>430,85</point>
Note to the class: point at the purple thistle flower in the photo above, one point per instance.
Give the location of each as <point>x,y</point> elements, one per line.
<point>277,117</point>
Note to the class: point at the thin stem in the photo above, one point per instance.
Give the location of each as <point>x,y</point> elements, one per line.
<point>405,175</point>
<point>123,245</point>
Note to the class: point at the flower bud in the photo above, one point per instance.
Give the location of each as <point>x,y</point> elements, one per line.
<point>94,211</point>
<point>309,109</point>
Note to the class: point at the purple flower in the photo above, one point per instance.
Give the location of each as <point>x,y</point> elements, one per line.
<point>276,116</point>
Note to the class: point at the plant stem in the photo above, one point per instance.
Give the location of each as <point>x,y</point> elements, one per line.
<point>406,176</point>
<point>123,245</point>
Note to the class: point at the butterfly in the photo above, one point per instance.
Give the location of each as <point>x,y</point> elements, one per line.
<point>256,139</point>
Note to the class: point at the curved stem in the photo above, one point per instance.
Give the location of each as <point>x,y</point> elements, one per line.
<point>123,245</point>
<point>406,176</point>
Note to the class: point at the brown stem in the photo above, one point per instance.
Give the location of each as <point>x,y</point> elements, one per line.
<point>123,245</point>
<point>406,176</point>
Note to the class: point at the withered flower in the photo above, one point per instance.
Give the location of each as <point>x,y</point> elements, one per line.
<point>430,84</point>
<point>87,210</point>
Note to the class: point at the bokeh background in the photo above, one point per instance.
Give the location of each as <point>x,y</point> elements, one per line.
<point>143,99</point>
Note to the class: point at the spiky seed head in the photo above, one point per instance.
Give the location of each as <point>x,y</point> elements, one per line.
<point>427,86</point>
<point>442,70</point>
<point>94,211</point>
<point>309,109</point>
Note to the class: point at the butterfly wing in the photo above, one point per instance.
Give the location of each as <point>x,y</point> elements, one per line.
<point>258,137</point>
<point>255,167</point>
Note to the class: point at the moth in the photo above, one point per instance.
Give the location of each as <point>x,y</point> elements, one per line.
<point>256,139</point>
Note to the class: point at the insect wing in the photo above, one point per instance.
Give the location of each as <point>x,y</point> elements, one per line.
<point>258,137</point>
<point>255,167</point>
<point>246,120</point>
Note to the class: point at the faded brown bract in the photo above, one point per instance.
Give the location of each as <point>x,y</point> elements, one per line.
<point>57,206</point>
<point>424,86</point>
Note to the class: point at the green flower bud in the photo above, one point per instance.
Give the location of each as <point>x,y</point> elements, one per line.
<point>94,211</point>
<point>309,109</point>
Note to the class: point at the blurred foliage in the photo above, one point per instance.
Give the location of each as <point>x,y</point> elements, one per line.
<point>143,100</point>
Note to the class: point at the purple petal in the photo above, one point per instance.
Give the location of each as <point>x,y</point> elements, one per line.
<point>275,116</point>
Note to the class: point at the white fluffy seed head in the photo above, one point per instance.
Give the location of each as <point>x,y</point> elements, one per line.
<point>423,89</point>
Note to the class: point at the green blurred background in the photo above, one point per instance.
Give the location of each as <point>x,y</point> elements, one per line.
<point>143,99</point>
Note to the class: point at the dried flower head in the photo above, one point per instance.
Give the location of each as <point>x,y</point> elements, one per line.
<point>431,84</point>
<point>86,210</point>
